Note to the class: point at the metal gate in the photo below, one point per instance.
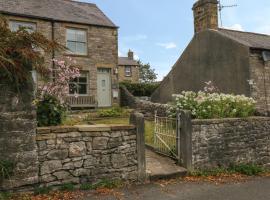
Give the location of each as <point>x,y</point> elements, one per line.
<point>167,136</point>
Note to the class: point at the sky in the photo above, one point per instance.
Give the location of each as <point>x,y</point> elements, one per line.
<point>158,31</point>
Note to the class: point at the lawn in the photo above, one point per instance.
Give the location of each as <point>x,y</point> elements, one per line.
<point>109,116</point>
<point>120,120</point>
<point>149,126</point>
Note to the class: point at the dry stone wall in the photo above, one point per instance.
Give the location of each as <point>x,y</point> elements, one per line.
<point>231,141</point>
<point>147,108</point>
<point>260,78</point>
<point>87,154</point>
<point>17,135</point>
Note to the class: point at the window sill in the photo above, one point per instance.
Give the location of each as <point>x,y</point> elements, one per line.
<point>79,95</point>
<point>76,55</point>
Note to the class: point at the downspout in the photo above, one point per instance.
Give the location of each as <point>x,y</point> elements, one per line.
<point>265,87</point>
<point>53,52</point>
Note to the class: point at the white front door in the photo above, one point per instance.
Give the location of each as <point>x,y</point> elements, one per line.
<point>104,87</point>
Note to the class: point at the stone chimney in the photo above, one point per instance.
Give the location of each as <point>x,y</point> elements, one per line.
<point>130,55</point>
<point>205,15</point>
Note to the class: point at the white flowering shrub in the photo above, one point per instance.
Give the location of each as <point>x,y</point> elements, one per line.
<point>204,105</point>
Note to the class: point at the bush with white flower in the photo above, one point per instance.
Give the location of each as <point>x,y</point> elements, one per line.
<point>205,105</point>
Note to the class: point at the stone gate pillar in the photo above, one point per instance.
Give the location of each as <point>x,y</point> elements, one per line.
<point>18,135</point>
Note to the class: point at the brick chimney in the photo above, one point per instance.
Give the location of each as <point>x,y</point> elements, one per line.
<point>130,55</point>
<point>205,15</point>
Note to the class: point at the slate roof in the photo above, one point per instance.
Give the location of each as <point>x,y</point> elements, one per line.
<point>125,61</point>
<point>58,10</point>
<point>252,40</point>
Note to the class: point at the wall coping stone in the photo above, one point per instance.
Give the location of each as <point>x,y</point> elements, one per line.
<point>83,128</point>
<point>93,128</point>
<point>224,120</point>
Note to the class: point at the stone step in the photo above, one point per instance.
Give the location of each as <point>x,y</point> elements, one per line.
<point>161,167</point>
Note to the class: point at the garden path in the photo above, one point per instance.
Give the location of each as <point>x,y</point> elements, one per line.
<point>160,167</point>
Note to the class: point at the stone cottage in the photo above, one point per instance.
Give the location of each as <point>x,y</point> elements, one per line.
<point>235,61</point>
<point>90,36</point>
<point>128,68</point>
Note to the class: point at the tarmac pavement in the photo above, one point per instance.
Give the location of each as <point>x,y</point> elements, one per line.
<point>253,189</point>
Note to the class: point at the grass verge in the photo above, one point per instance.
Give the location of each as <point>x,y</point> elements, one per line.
<point>243,169</point>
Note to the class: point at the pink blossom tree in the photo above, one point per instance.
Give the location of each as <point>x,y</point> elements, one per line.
<point>63,72</point>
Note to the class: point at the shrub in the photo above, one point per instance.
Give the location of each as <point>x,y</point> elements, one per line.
<point>52,94</point>
<point>111,112</point>
<point>67,187</point>
<point>140,89</point>
<point>249,170</point>
<point>50,111</point>
<point>210,172</point>
<point>109,184</point>
<point>42,190</point>
<point>87,186</point>
<point>245,169</point>
<point>213,105</point>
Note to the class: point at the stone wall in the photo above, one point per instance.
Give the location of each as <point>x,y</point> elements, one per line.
<point>18,134</point>
<point>230,141</point>
<point>147,108</point>
<point>87,154</point>
<point>260,76</point>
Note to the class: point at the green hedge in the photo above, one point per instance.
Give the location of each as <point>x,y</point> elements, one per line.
<point>140,89</point>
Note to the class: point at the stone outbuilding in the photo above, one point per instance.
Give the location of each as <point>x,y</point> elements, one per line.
<point>128,68</point>
<point>236,62</point>
<point>90,36</point>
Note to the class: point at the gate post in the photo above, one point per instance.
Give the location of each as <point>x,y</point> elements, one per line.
<point>178,138</point>
<point>186,139</point>
<point>137,119</point>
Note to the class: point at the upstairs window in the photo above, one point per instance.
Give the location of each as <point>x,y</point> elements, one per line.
<point>77,41</point>
<point>79,85</point>
<point>127,70</point>
<point>16,25</point>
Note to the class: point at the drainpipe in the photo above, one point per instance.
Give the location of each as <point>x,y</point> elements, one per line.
<point>53,52</point>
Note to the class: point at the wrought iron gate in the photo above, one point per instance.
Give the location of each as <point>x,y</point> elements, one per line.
<point>167,136</point>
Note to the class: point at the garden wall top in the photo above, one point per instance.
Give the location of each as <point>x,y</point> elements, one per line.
<point>226,120</point>
<point>83,128</point>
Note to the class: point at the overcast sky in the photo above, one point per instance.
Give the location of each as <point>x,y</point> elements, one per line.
<point>159,30</point>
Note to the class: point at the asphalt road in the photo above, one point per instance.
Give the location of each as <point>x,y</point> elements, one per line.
<point>254,189</point>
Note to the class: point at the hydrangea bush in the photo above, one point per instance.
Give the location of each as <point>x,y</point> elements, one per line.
<point>205,105</point>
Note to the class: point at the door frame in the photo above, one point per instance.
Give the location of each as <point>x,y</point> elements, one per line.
<point>110,88</point>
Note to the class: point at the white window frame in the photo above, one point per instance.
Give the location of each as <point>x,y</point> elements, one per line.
<point>77,41</point>
<point>14,25</point>
<point>128,73</point>
<point>78,83</point>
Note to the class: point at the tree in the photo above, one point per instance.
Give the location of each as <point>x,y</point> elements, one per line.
<point>22,51</point>
<point>147,74</point>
